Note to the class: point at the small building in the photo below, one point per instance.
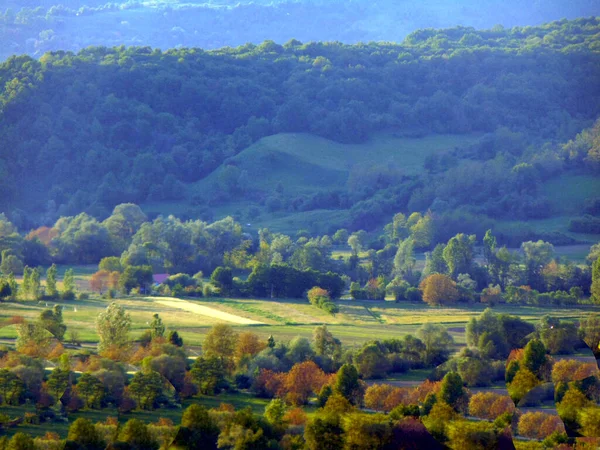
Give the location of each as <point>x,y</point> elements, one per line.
<point>160,278</point>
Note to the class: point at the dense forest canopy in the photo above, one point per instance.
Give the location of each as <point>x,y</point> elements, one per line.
<point>90,130</point>
<point>37,26</point>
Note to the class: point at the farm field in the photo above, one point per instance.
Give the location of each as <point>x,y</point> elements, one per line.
<point>356,323</point>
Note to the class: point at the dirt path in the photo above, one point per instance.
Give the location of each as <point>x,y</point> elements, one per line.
<point>203,310</point>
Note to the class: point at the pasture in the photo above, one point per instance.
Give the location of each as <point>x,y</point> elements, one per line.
<point>356,323</point>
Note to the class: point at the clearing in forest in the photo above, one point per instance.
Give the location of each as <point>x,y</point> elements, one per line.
<point>204,311</point>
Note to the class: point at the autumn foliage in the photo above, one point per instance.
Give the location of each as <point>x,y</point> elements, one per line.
<point>296,386</point>
<point>488,405</point>
<point>567,370</point>
<point>384,397</point>
<point>439,290</point>
<point>538,425</point>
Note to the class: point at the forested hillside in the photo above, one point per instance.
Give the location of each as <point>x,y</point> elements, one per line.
<point>86,131</point>
<point>37,26</point>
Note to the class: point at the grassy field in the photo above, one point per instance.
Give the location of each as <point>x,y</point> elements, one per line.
<point>356,323</point>
<point>568,193</point>
<point>306,163</point>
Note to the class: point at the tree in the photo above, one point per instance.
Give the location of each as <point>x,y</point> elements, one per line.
<point>347,383</point>
<point>303,380</point>
<point>538,425</point>
<point>404,261</point>
<point>32,339</point>
<point>175,339</point>
<point>595,288</point>
<point>51,290</point>
<point>570,406</point>
<point>275,412</point>
<point>113,327</point>
<point>197,431</point>
<point>146,388</point>
<point>209,374</point>
<point>366,431</point>
<point>220,342</point>
<point>110,264</point>
<point>325,344</point>
<point>371,361</point>
<point>52,320</point>
<point>439,290</point>
<point>11,387</point>
<point>223,279</point>
<point>590,421</point>
<point>135,277</point>
<point>21,441</point>
<point>91,390</point>
<point>589,329</point>
<point>537,256</point>
<point>458,254</point>
<point>534,356</point>
<point>489,405</point>
<point>452,391</point>
<point>437,342</point>
<point>466,435</point>
<point>157,328</point>
<point>99,281</point>
<point>58,382</point>
<point>523,381</point>
<point>10,263</point>
<point>136,434</point>
<point>69,285</point>
<point>324,432</point>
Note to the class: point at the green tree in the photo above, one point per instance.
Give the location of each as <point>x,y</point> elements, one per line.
<point>69,284</point>
<point>146,388</point>
<point>10,263</point>
<point>534,356</point>
<point>136,434</point>
<point>21,441</point>
<point>113,327</point>
<point>404,261</point>
<point>438,343</point>
<point>111,264</point>
<point>595,288</point>
<point>537,255</point>
<point>458,254</point>
<point>51,290</point>
<point>324,432</point>
<point>58,382</point>
<point>52,320</point>
<point>222,278</point>
<point>175,339</point>
<point>435,262</point>
<point>347,383</point>
<point>274,413</point>
<point>157,328</point>
<point>91,390</point>
<point>452,391</point>
<point>198,431</point>
<point>209,374</point>
<point>11,387</point>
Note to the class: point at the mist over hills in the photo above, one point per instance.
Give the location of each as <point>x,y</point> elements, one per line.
<point>37,26</point>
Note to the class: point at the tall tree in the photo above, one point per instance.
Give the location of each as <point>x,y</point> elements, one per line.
<point>51,290</point>
<point>69,284</point>
<point>458,254</point>
<point>220,342</point>
<point>113,327</point>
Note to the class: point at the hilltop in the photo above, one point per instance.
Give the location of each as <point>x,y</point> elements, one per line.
<point>476,126</point>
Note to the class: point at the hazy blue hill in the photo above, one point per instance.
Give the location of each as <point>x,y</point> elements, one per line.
<point>37,26</point>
